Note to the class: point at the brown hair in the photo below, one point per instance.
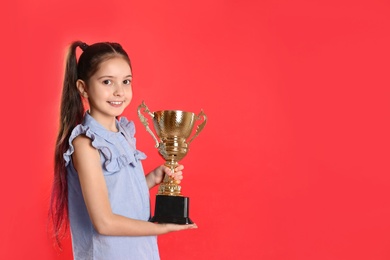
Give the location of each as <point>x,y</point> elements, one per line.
<point>71,114</point>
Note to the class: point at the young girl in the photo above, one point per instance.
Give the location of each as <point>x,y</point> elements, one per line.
<point>99,184</point>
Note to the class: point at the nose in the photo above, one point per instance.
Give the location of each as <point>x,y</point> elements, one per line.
<point>119,90</point>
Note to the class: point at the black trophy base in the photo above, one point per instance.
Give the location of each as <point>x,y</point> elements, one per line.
<point>171,209</point>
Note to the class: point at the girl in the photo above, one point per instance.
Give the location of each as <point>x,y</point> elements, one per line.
<point>99,184</point>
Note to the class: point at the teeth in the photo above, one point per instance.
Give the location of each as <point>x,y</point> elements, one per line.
<point>116,102</point>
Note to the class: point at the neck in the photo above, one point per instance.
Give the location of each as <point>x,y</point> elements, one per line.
<point>107,122</point>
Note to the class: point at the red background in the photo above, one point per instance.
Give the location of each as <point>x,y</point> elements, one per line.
<point>293,163</point>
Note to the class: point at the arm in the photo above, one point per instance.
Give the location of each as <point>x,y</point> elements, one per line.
<point>157,175</point>
<point>86,161</point>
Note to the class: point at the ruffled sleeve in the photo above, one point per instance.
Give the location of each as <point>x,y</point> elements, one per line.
<point>97,142</point>
<point>113,158</point>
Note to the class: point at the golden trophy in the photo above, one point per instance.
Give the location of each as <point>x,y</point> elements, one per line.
<point>173,127</point>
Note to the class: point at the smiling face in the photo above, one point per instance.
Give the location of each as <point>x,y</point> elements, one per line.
<point>108,91</point>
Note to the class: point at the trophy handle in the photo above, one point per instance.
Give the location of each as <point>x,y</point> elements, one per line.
<point>200,127</point>
<point>144,120</point>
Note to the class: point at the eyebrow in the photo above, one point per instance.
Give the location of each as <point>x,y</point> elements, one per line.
<point>128,76</point>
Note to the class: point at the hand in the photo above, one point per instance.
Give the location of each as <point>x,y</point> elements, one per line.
<point>176,227</point>
<point>177,175</point>
<point>157,175</point>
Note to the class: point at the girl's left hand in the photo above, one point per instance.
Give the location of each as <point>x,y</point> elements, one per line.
<point>160,172</point>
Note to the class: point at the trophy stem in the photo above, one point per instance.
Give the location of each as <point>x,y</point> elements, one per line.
<point>169,186</point>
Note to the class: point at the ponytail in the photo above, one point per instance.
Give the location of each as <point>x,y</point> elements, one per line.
<point>71,114</point>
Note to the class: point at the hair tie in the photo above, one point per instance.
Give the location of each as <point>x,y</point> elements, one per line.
<point>83,46</point>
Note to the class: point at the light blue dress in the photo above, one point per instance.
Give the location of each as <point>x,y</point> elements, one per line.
<point>127,190</point>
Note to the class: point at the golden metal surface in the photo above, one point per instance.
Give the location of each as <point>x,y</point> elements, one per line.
<point>173,128</point>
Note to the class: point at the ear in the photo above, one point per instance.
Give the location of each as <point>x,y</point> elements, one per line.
<point>82,88</point>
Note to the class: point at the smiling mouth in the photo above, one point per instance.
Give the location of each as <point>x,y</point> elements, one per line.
<point>116,103</point>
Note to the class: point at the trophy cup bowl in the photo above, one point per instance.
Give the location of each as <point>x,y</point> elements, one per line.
<point>173,128</point>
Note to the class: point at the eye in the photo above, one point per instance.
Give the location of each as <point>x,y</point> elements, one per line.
<point>127,82</point>
<point>107,82</point>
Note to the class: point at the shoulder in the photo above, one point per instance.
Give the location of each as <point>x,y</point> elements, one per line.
<point>85,157</point>
<point>83,146</point>
<point>82,140</point>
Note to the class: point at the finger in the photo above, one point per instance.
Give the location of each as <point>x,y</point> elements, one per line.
<point>178,227</point>
<point>167,170</point>
<point>191,226</point>
<point>178,176</point>
<point>180,167</point>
